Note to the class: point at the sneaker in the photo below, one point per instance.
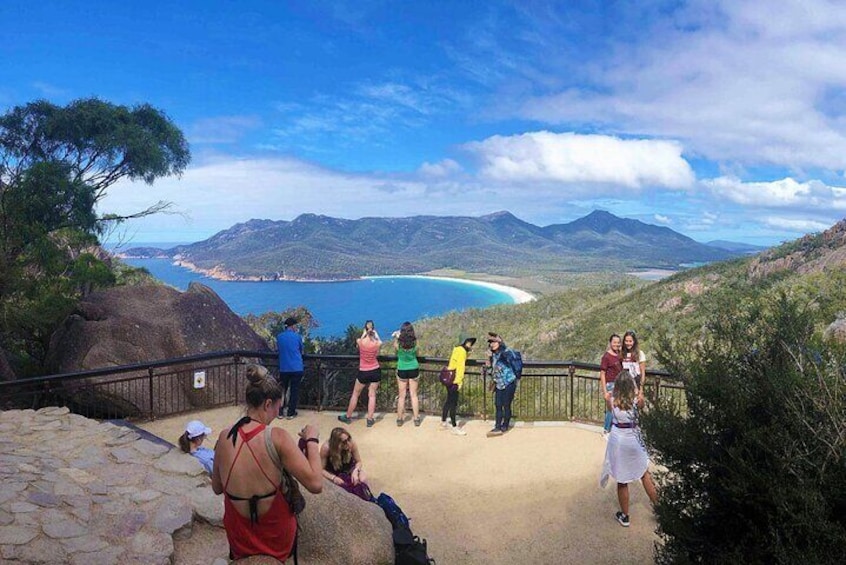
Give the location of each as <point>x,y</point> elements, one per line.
<point>290,416</point>
<point>623,519</point>
<point>445,425</point>
<point>494,432</point>
<point>400,422</point>
<point>456,431</point>
<point>417,421</point>
<point>280,416</point>
<point>345,419</point>
<point>370,422</point>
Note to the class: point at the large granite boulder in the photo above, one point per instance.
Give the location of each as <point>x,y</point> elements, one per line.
<point>137,324</point>
<point>339,528</point>
<point>836,331</point>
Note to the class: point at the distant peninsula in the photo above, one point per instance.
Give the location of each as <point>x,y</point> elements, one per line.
<point>321,248</point>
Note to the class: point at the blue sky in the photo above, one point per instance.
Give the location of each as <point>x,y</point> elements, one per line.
<point>719,119</point>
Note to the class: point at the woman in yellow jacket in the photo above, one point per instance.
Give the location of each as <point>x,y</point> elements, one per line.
<point>456,363</point>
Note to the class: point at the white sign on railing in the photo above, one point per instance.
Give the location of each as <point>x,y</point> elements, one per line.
<point>199,379</point>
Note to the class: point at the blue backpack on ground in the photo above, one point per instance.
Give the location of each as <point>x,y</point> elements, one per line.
<point>516,362</point>
<point>392,511</point>
<point>408,548</point>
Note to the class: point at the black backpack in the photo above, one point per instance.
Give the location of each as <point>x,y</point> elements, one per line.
<point>410,549</point>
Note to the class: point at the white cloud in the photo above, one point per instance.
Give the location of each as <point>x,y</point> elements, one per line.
<point>576,158</point>
<point>442,168</point>
<point>224,190</point>
<point>746,82</point>
<point>794,225</point>
<point>222,129</point>
<point>51,91</point>
<point>662,219</point>
<point>783,193</point>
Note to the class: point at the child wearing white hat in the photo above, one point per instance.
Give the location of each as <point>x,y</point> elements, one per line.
<point>192,442</point>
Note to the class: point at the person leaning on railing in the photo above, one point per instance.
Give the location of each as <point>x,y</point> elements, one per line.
<point>251,467</point>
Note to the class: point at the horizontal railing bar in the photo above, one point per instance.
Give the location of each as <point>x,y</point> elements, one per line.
<point>266,355</point>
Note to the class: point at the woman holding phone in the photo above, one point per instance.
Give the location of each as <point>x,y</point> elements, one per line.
<point>408,371</point>
<point>369,373</point>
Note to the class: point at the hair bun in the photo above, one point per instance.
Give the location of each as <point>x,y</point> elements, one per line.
<point>256,374</point>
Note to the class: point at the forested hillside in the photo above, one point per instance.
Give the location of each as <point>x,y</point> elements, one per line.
<point>575,324</point>
<point>321,247</point>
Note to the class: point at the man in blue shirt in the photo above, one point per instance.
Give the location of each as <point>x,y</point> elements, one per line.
<point>290,346</point>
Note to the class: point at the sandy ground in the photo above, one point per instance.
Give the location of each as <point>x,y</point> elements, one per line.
<point>531,496</point>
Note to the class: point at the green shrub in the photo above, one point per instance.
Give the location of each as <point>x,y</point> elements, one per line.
<point>755,470</point>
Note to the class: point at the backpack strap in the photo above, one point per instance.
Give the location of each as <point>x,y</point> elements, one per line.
<point>271,449</point>
<point>283,484</point>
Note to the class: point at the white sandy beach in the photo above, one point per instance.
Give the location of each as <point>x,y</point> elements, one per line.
<point>518,295</point>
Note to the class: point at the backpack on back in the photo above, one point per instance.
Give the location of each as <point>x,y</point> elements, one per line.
<point>516,363</point>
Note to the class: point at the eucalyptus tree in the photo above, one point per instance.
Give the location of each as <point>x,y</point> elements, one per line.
<point>56,164</point>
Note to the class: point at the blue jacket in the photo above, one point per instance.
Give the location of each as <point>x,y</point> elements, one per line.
<point>290,345</point>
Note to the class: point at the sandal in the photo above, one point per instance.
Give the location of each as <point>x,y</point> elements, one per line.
<point>345,419</point>
<point>370,422</point>
<point>400,423</point>
<point>418,420</point>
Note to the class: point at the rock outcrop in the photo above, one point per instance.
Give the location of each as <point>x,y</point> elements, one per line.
<point>94,492</point>
<point>73,490</point>
<point>836,331</point>
<point>339,528</point>
<point>137,324</point>
<point>813,253</point>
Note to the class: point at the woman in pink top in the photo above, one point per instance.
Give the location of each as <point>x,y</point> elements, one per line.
<point>369,373</point>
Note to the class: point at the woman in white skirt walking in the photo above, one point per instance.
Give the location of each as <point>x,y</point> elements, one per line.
<point>625,456</point>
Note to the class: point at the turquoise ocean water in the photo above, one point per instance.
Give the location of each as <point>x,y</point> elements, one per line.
<point>387,301</point>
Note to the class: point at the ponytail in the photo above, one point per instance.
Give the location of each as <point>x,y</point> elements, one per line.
<point>185,443</point>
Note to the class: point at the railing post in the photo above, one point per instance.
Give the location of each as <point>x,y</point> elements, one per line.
<point>237,360</point>
<point>571,371</point>
<point>150,388</point>
<point>657,390</point>
<point>319,368</point>
<point>484,393</point>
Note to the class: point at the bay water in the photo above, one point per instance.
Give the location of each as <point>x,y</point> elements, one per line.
<point>388,301</point>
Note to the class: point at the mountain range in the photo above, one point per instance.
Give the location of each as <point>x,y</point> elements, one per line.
<point>575,323</point>
<point>321,247</point>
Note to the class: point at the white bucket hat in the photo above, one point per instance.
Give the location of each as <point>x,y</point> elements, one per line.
<point>196,428</point>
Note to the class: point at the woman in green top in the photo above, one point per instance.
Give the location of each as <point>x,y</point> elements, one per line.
<point>408,369</point>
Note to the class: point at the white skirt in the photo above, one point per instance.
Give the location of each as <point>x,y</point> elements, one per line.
<point>625,456</point>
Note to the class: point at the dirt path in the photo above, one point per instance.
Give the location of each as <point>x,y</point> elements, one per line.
<point>531,496</point>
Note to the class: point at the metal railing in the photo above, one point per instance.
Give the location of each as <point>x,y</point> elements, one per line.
<point>549,390</point>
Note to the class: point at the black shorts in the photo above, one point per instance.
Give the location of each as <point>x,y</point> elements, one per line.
<point>406,374</point>
<point>371,376</point>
